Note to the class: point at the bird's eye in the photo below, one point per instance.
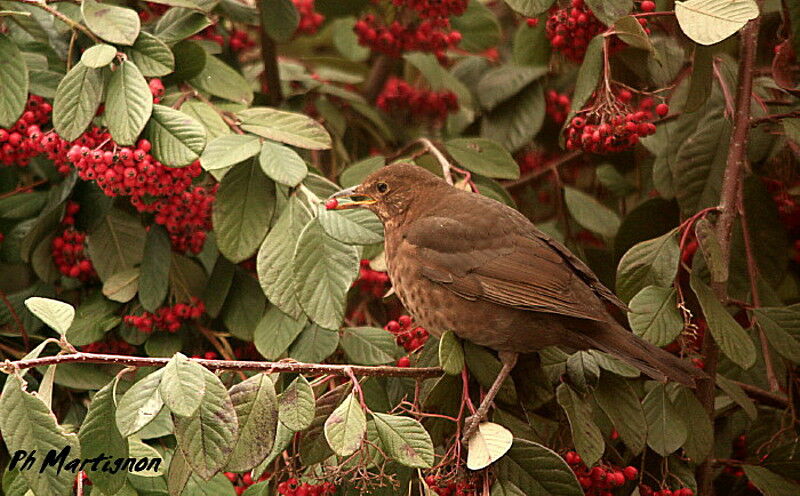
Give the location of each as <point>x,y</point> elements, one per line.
<point>382,187</point>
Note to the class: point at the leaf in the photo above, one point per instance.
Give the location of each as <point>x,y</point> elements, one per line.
<point>506,81</point>
<point>483,157</point>
<point>208,117</point>
<point>219,79</point>
<point>530,45</point>
<point>487,445</point>
<point>617,399</point>
<point>206,439</point>
<point>781,325</point>
<point>27,424</point>
<point>654,315</point>
<point>275,332</point>
<point>182,385</point>
<point>154,271</point>
<point>530,8</point>
<point>346,41</point>
<point>710,21</point>
<point>712,251</point>
<point>56,314</point>
<point>122,286</point>
<point>369,345</point>
<point>151,55</point>
<point>731,338</point>
<point>588,75</point>
<point>129,103</point>
<point>405,440</point>
<point>666,431</point>
<point>99,436</point>
<point>586,435</point>
<point>285,127</point>
<point>296,405</point>
<point>515,122</point>
<point>438,77</point>
<point>245,306</point>
<point>257,411</point>
<point>115,24</point>
<point>22,206</point>
<point>649,263</point>
<point>770,483</point>
<point>314,344</point>
<point>282,164</point>
<point>228,150</point>
<point>177,139</point>
<point>484,367</point>
<point>700,431</point>
<point>590,213</point>
<point>94,317</point>
<point>98,56</point>
<point>537,471</point>
<point>346,426</point>
<point>279,19</point>
<point>178,24</point>
<point>353,227</point>
<point>13,80</point>
<point>116,244</point>
<point>479,27</point>
<point>608,11</point>
<point>356,172</point>
<point>190,60</point>
<point>737,394</point>
<point>451,353</point>
<point>242,211</point>
<point>140,404</point>
<point>631,32</point>
<point>77,98</point>
<point>324,269</point>
<point>583,372</point>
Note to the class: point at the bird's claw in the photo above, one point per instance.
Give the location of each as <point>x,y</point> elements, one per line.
<point>470,426</point>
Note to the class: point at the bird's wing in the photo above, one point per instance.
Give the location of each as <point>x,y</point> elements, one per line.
<point>495,263</point>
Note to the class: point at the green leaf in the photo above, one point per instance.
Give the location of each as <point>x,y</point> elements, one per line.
<point>13,80</point>
<point>245,306</point>
<point>484,367</point>
<point>178,24</point>
<point>56,314</point>
<point>275,332</point>
<point>208,117</point>
<point>22,206</point>
<point>190,60</point>
<point>502,83</point>
<point>438,77</point>
<point>588,76</point>
<point>505,488</point>
<point>296,405</point>
<point>650,263</point>
<point>654,315</point>
<point>782,328</point>
<point>531,45</point>
<point>586,435</point>
<point>666,430</point>
<point>737,394</point>
<point>283,436</point>
<point>219,79</point>
<point>151,55</point>
<point>177,139</point>
<point>770,483</point>
<point>94,317</point>
<point>154,273</point>
<point>487,445</point>
<point>356,172</point>
<point>515,122</point>
<point>314,344</point>
<point>26,423</point>
<point>710,21</point>
<point>583,372</point>
<point>631,32</point>
<point>242,211</point>
<point>282,164</point>
<point>608,11</point>
<point>405,440</point>
<point>451,353</point>
<point>140,404</point>
<point>98,56</point>
<point>346,41</point>
<point>279,19</point>
<point>115,24</point>
<point>621,405</point>
<point>285,127</point>
<point>530,8</point>
<point>99,436</point>
<point>182,385</point>
<point>731,338</point>
<point>206,439</point>
<point>479,27</point>
<point>257,410</point>
<point>324,269</point>
<point>228,150</point>
<point>189,4</point>
<point>700,431</point>
<point>354,227</point>
<point>346,426</point>
<point>129,103</point>
<point>122,286</point>
<point>163,344</point>
<point>116,244</point>
<point>590,213</point>
<point>77,98</point>
<point>369,345</point>
<point>483,157</point>
<point>537,471</point>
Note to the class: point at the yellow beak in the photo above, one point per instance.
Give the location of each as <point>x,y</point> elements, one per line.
<point>353,197</point>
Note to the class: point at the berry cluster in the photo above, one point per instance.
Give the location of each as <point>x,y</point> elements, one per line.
<point>557,106</point>
<point>416,103</point>
<point>599,481</point>
<point>450,487</point>
<point>434,8</point>
<point>646,490</point>
<point>410,337</point>
<point>572,28</point>
<point>293,487</point>
<point>208,355</point>
<point>371,282</point>
<point>310,19</point>
<point>152,10</point>
<point>430,35</point>
<point>531,160</point>
<point>167,318</point>
<point>69,248</point>
<point>241,483</point>
<point>21,142</point>
<point>111,346</point>
<point>613,127</point>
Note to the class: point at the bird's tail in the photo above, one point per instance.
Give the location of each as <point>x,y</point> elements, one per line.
<point>650,359</point>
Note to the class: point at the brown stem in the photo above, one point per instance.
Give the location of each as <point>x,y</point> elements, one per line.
<point>17,320</point>
<point>532,176</point>
<point>269,367</point>
<point>774,117</point>
<point>269,56</point>
<point>63,18</point>
<point>766,398</point>
<point>22,189</point>
<point>377,77</point>
<point>443,162</point>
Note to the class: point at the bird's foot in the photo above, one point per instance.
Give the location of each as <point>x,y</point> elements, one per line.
<point>471,424</point>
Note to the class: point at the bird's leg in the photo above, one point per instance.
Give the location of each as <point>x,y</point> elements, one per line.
<point>508,359</point>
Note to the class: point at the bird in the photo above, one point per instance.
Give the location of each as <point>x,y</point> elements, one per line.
<point>462,262</point>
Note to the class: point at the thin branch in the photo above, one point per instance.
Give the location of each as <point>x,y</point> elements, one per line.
<point>377,77</point>
<point>774,117</point>
<point>61,17</point>
<point>22,189</point>
<point>17,320</point>
<point>238,365</point>
<point>269,56</point>
<point>446,166</point>
<point>766,398</point>
<point>532,176</point>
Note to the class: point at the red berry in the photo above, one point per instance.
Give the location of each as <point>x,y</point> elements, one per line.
<point>662,109</point>
<point>332,204</point>
<point>404,362</point>
<point>648,6</point>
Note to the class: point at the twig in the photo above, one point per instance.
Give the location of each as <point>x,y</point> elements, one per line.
<point>61,17</point>
<point>268,367</point>
<point>446,166</point>
<point>17,320</point>
<point>377,77</point>
<point>269,56</point>
<point>532,176</point>
<point>22,189</point>
<point>774,117</point>
<point>766,398</point>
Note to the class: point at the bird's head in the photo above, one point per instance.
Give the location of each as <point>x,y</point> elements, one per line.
<point>389,191</point>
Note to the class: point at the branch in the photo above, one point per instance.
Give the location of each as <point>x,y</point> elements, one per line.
<point>766,398</point>
<point>377,77</point>
<point>446,166</point>
<point>269,56</point>
<point>237,365</point>
<point>775,117</point>
<point>61,17</point>
<point>532,176</point>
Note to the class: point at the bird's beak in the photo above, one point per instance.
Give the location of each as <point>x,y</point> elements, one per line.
<point>355,199</point>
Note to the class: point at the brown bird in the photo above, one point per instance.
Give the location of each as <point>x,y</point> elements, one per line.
<point>463,262</point>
